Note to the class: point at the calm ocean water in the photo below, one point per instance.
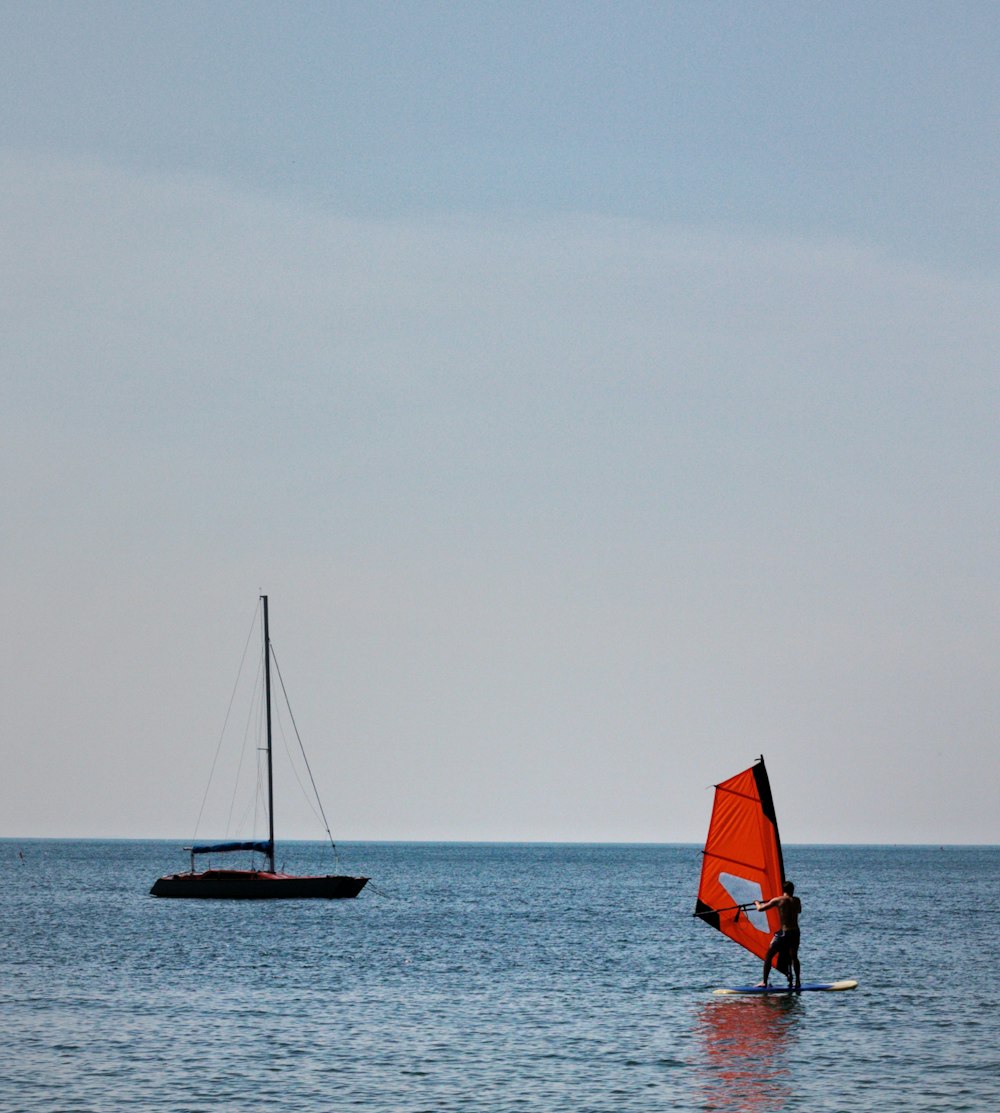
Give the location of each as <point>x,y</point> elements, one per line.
<point>493,977</point>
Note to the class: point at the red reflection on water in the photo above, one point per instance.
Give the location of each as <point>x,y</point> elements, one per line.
<point>744,1044</point>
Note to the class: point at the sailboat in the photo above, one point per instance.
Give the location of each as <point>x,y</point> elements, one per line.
<point>254,884</point>
<point>742,863</point>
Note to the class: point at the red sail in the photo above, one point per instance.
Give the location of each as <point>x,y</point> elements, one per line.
<point>742,862</point>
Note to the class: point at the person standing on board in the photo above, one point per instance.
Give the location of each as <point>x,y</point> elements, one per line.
<point>785,941</point>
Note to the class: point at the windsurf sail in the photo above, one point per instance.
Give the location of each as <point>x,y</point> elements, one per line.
<point>742,862</point>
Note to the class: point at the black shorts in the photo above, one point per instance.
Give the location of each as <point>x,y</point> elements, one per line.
<point>787,941</point>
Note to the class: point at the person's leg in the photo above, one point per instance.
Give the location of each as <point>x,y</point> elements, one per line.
<point>782,946</point>
<point>771,950</point>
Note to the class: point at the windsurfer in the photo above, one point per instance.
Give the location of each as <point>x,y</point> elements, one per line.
<point>786,941</point>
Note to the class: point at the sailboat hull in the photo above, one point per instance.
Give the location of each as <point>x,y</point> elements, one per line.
<point>255,885</point>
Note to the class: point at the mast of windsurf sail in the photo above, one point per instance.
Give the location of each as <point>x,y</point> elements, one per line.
<point>270,773</point>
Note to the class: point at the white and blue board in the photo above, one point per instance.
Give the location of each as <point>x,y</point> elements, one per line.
<point>774,990</point>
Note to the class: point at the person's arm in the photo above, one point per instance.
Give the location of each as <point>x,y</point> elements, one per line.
<point>764,905</point>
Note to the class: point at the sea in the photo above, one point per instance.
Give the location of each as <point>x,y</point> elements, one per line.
<point>493,977</point>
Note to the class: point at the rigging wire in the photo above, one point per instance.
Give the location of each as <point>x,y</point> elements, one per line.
<point>222,733</point>
<point>248,732</point>
<point>312,779</point>
<point>276,709</point>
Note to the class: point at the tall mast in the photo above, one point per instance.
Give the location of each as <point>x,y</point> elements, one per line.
<point>270,776</point>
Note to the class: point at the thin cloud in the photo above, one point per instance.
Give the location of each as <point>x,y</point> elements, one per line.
<point>631,489</point>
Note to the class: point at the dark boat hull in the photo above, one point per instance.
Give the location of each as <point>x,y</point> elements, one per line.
<point>255,885</point>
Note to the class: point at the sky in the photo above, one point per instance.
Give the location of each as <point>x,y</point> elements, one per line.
<point>603,394</point>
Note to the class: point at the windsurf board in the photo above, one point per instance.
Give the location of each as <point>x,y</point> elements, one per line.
<point>761,990</point>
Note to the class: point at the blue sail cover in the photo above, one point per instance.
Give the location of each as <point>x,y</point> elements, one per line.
<point>223,847</point>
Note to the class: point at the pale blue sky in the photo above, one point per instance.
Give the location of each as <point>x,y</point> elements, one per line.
<point>874,121</point>
<point>604,394</point>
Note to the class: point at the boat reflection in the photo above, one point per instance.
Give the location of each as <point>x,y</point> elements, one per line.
<point>744,1049</point>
